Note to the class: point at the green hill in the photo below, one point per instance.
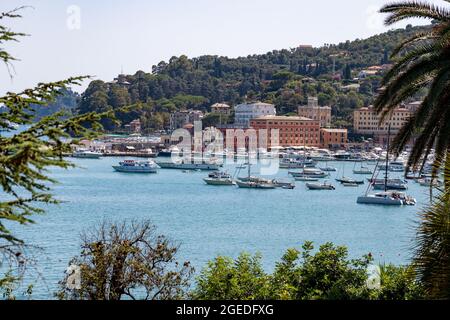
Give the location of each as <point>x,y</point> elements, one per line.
<point>283,77</point>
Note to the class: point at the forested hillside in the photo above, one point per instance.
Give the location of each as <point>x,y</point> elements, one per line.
<point>283,77</point>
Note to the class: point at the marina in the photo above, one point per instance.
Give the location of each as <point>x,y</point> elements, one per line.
<point>188,210</point>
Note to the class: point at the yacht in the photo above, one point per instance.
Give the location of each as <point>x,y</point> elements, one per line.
<point>310,172</point>
<point>392,198</point>
<point>219,179</point>
<point>166,153</point>
<point>283,184</point>
<point>254,182</point>
<point>348,180</point>
<point>132,166</point>
<point>305,178</point>
<point>328,169</point>
<point>430,182</point>
<point>190,165</point>
<point>363,170</point>
<point>86,154</point>
<point>389,198</point>
<point>389,184</point>
<point>319,186</point>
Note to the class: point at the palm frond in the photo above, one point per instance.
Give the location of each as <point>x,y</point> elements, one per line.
<point>414,71</point>
<point>432,248</point>
<point>422,36</point>
<point>414,9</point>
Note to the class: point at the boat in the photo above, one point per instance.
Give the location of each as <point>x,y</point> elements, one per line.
<point>430,182</point>
<point>254,182</point>
<point>166,153</point>
<point>288,163</point>
<point>392,198</point>
<point>389,184</point>
<point>349,180</point>
<point>86,154</point>
<point>283,184</point>
<point>319,186</point>
<point>350,184</point>
<point>254,185</point>
<point>133,166</point>
<point>305,178</point>
<point>328,169</point>
<point>189,165</point>
<point>219,179</point>
<point>363,170</point>
<point>310,172</point>
<point>388,198</point>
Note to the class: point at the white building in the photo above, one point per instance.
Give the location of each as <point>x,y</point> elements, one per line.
<point>243,113</point>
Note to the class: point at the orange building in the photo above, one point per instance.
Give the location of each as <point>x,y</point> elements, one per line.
<point>293,131</point>
<point>333,138</point>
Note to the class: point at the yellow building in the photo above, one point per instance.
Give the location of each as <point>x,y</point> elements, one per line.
<point>316,112</point>
<point>366,121</point>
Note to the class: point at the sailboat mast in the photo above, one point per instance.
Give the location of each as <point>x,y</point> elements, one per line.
<point>387,159</point>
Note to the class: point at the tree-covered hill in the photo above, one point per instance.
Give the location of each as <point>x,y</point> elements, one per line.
<point>283,77</point>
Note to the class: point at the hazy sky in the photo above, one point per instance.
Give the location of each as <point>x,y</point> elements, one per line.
<point>99,38</point>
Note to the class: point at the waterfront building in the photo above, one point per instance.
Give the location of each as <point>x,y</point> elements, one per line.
<point>333,138</point>
<point>293,131</point>
<point>181,118</point>
<point>221,108</point>
<point>366,121</point>
<point>313,111</point>
<point>243,113</point>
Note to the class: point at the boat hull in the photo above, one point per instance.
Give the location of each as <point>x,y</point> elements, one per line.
<point>219,182</point>
<point>379,201</point>
<point>254,185</point>
<point>135,170</point>
<point>189,166</point>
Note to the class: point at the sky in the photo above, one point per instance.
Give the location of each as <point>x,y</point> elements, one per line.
<point>103,37</point>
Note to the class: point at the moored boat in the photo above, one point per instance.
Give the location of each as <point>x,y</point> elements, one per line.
<point>219,179</point>
<point>86,154</point>
<point>320,186</point>
<point>132,166</point>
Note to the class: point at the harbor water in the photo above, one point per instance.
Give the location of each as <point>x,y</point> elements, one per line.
<point>208,221</point>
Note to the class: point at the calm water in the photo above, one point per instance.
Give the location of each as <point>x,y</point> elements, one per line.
<point>210,221</point>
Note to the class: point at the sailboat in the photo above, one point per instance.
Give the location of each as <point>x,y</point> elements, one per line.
<point>388,198</point>
<point>362,170</point>
<point>254,182</point>
<point>347,180</point>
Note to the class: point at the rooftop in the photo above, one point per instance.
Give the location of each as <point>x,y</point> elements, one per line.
<point>334,130</point>
<point>284,118</point>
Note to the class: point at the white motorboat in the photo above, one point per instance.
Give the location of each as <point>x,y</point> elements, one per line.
<point>190,165</point>
<point>320,186</point>
<point>132,166</point>
<point>310,172</point>
<point>86,154</point>
<point>219,179</point>
<point>305,178</point>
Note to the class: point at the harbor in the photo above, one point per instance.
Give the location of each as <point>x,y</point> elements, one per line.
<point>210,220</point>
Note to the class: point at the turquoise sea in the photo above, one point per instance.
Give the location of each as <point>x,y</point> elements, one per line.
<point>208,221</point>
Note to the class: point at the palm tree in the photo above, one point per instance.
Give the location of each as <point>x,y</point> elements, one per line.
<point>423,61</point>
